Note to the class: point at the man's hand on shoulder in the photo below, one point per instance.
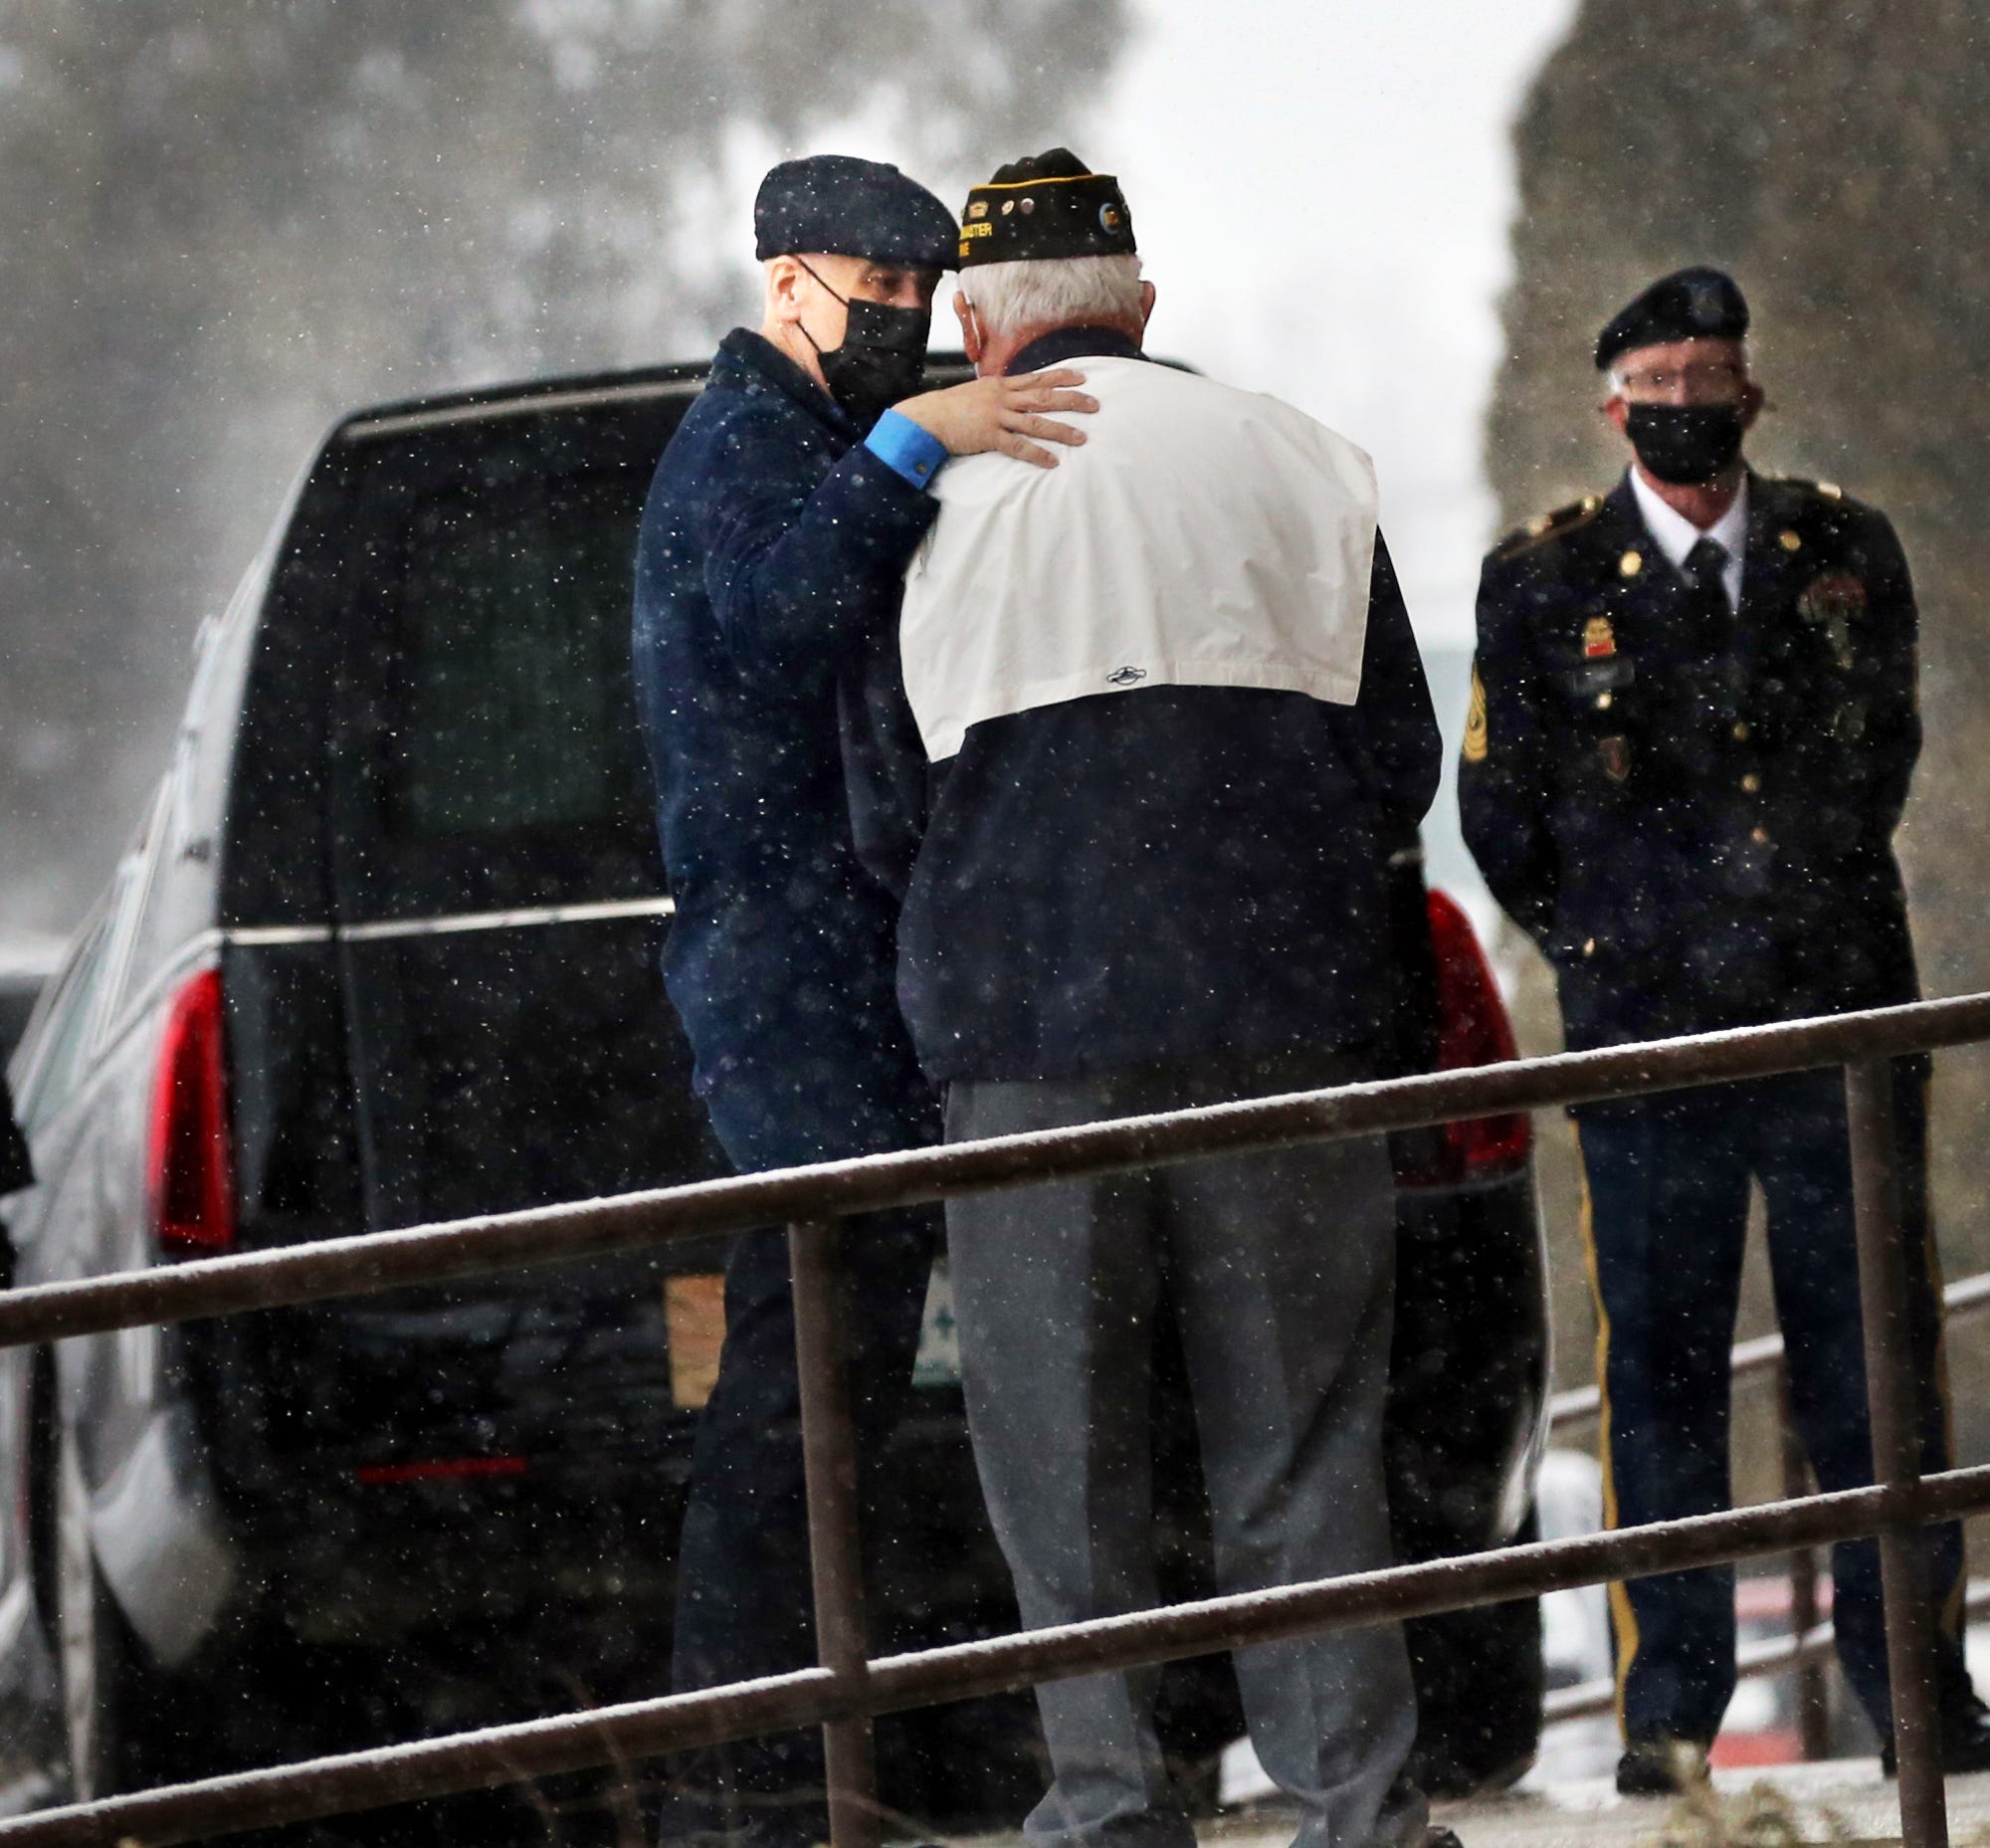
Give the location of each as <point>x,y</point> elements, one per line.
<point>1002,414</point>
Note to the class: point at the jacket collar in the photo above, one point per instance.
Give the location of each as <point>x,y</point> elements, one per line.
<point>1764,564</point>
<point>1677,536</point>
<point>749,361</point>
<point>1081,342</point>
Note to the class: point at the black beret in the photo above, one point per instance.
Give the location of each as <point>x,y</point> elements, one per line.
<point>1689,305</point>
<point>846,207</point>
<point>1050,205</point>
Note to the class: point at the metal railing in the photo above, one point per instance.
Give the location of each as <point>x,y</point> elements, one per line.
<point>847,1689</point>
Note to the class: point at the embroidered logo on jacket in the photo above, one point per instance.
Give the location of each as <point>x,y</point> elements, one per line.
<point>1125,677</point>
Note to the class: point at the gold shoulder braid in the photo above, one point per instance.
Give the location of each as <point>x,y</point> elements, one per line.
<point>1475,721</point>
<point>1546,527</point>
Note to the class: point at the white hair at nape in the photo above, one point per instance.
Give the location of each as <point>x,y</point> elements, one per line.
<point>1012,297</point>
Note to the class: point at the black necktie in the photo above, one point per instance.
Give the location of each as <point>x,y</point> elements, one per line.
<point>1711,618</point>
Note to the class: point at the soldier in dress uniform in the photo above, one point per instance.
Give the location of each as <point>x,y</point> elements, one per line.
<point>1693,728</point>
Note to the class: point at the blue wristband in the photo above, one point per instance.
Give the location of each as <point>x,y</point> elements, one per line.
<point>901,446</point>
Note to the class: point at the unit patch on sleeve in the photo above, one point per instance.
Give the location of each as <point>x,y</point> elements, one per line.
<point>1475,721</point>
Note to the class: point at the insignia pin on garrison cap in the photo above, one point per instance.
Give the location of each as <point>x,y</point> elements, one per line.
<point>1050,206</point>
<point>1631,563</point>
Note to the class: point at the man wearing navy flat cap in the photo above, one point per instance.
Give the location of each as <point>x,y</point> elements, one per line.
<point>771,555</point>
<point>1694,724</point>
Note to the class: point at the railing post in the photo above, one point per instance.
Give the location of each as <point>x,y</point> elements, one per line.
<point>829,1458</point>
<point>1893,1402</point>
<point>1813,1713</point>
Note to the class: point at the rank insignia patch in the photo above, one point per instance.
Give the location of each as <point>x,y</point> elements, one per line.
<point>1614,753</point>
<point>1475,721</point>
<point>1599,640</point>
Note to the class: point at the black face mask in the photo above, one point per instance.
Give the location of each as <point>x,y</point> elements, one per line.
<point>1684,443</point>
<point>882,359</point>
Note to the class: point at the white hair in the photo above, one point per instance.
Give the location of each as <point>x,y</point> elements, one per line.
<point>1012,297</point>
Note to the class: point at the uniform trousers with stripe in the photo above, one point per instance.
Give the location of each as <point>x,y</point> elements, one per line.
<point>1279,1271</point>
<point>1667,1185</point>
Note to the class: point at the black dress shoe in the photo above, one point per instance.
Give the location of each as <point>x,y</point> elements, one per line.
<point>1965,1742</point>
<point>1659,1767</point>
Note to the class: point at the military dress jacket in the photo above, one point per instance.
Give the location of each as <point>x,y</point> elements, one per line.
<point>1694,820</point>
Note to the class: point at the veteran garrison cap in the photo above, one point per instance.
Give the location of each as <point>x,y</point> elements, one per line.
<point>846,207</point>
<point>1697,303</point>
<point>1047,206</point>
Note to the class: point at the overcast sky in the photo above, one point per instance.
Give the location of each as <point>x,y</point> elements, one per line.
<point>1321,193</point>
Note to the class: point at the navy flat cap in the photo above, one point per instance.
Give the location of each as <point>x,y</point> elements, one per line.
<point>1689,305</point>
<point>846,207</point>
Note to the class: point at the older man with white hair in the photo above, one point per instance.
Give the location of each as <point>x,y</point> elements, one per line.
<point>1172,721</point>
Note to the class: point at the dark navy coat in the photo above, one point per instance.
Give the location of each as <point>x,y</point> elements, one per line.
<point>1698,835</point>
<point>772,554</point>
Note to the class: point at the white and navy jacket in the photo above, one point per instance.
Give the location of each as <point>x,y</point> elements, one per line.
<point>1169,719</point>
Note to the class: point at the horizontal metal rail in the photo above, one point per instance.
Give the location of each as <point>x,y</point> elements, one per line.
<point>835,1695</point>
<point>380,1260</point>
<point>1968,1296</point>
<point>435,1767</point>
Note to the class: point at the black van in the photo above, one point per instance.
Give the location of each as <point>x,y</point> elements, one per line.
<point>383,950</point>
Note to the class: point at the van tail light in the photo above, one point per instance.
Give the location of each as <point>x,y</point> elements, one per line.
<point>191,1173</point>
<point>1472,1029</point>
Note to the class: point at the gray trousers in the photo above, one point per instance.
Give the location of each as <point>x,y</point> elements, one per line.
<point>1279,1271</point>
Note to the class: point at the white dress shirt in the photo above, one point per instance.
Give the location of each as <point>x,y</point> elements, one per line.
<point>1675,536</point>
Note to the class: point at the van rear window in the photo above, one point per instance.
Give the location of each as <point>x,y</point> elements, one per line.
<point>511,720</point>
<point>486,752</point>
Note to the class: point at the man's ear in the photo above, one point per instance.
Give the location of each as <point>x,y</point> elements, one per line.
<point>1754,401</point>
<point>973,342</point>
<point>784,289</point>
<point>1616,412</point>
<point>1146,305</point>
